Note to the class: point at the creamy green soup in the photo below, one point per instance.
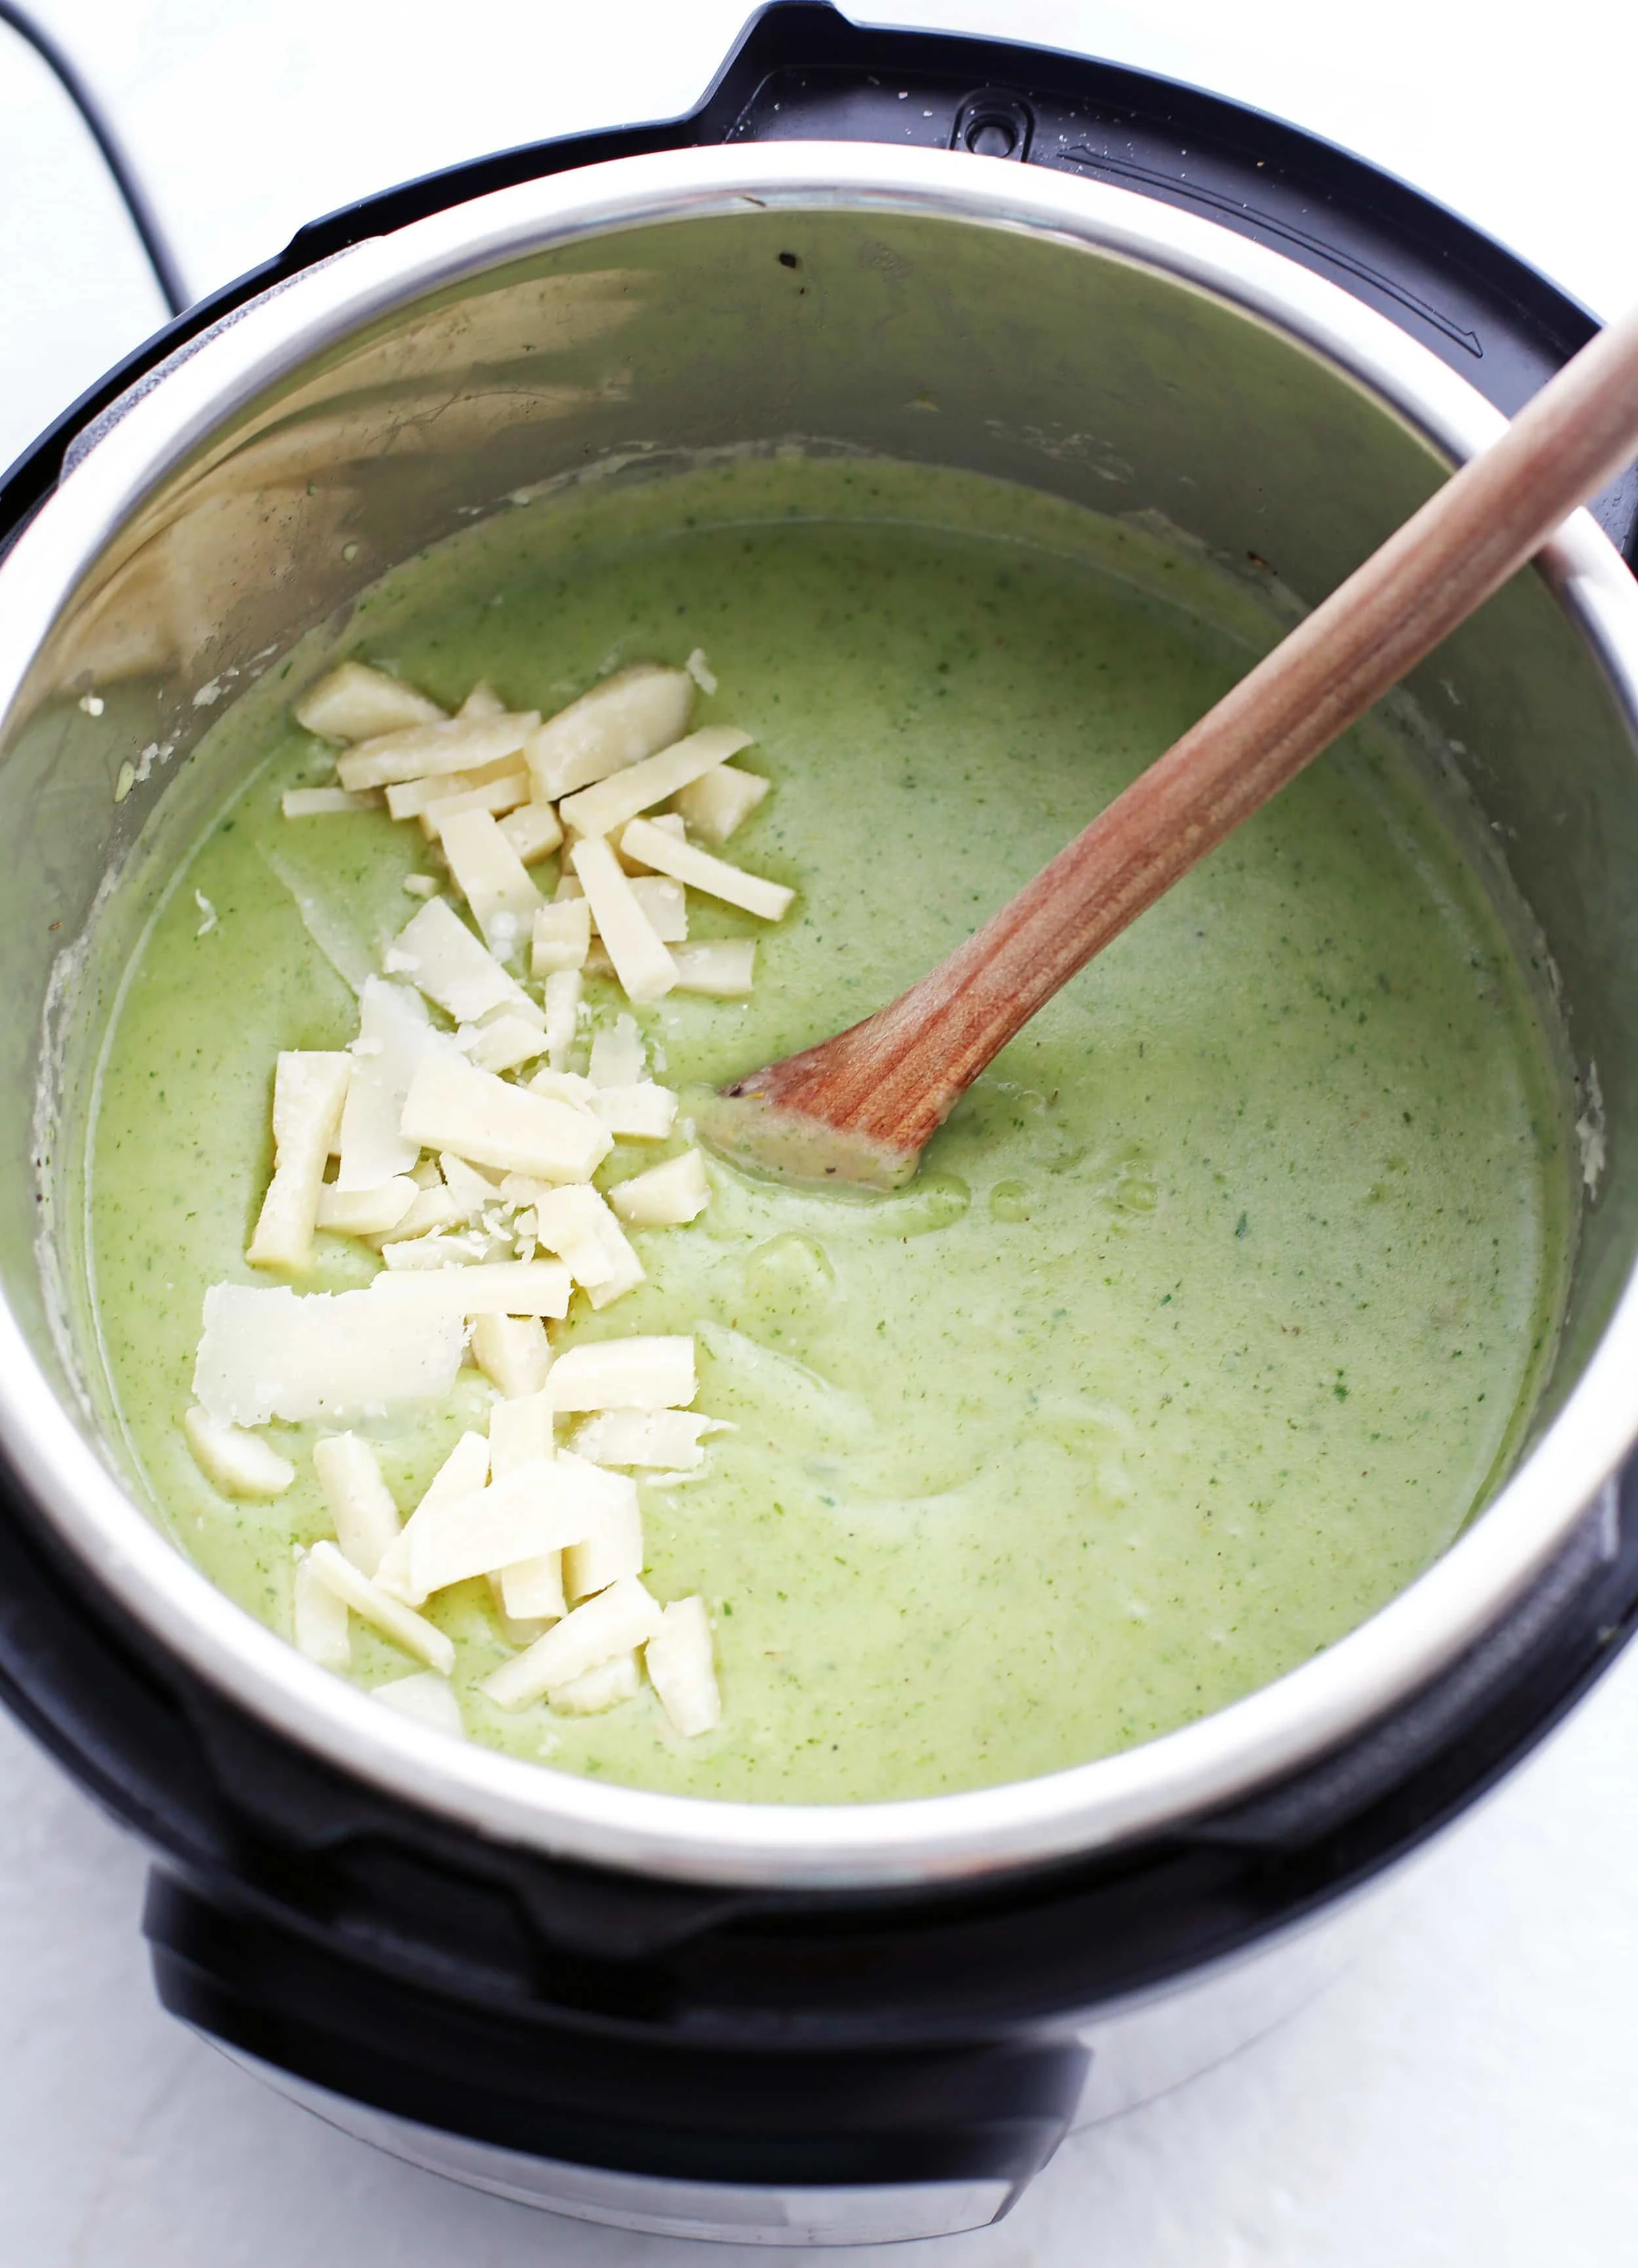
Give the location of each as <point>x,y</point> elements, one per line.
<point>1216,1310</point>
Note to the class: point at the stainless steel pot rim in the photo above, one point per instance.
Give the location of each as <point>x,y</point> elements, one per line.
<point>1116,1798</point>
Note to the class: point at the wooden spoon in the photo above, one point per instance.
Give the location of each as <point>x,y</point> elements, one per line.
<point>859,1107</point>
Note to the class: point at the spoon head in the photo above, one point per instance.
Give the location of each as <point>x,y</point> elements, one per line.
<point>769,1137</point>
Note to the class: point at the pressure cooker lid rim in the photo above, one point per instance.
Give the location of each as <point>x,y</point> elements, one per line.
<point>1099,1805</point>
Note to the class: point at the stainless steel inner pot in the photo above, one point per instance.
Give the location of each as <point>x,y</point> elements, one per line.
<point>930,306</point>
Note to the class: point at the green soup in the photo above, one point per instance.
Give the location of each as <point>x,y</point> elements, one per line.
<point>1216,1309</point>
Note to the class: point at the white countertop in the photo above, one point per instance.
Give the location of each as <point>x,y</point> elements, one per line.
<point>1465,2096</point>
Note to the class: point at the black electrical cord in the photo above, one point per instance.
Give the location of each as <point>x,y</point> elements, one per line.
<point>144,220</point>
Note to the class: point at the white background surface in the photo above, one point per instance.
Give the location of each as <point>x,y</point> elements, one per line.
<point>1465,2098</point>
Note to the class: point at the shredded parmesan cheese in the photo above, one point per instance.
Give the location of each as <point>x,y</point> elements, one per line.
<point>277,1354</point>
<point>577,1223</point>
<point>309,1091</point>
<point>504,1043</point>
<point>443,960</point>
<point>563,932</point>
<point>539,1508</point>
<point>612,1681</point>
<point>493,879</point>
<point>237,1462</point>
<point>666,1440</point>
<point>666,1196</point>
<point>453,1105</point>
<point>618,722</point>
<point>533,831</point>
<point>322,1629</point>
<point>642,964</point>
<point>713,806</point>
<point>460,744</point>
<point>643,1111</point>
<point>366,1212</point>
<point>634,1373</point>
<point>618,1619</point>
<point>512,1354</point>
<point>656,848</point>
<point>373,1605</point>
<point>323,802</point>
<point>613,1545</point>
<point>413,798</point>
<point>618,1058</point>
<point>721,967</point>
<point>360,1504</point>
<point>356,703</point>
<point>602,809</point>
<point>562,1016</point>
<point>681,1670</point>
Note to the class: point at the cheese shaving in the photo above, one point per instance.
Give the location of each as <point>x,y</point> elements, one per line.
<point>413,798</point>
<point>360,1503</point>
<point>443,959</point>
<point>643,1112</point>
<point>531,1590</point>
<point>613,1545</point>
<point>562,932</point>
<point>373,1605</point>
<point>617,724</point>
<point>606,808</point>
<point>356,703</point>
<point>562,1016</point>
<point>643,965</point>
<point>494,796</point>
<point>665,1441</point>
<point>666,1196</point>
<point>453,1105</point>
<point>366,1212</point>
<point>322,1629</point>
<point>618,1055</point>
<point>722,967</point>
<point>504,1044</point>
<point>309,1091</point>
<point>623,1616</point>
<point>713,806</point>
<point>577,1225</point>
<point>512,1354</point>
<point>493,879</point>
<point>279,1353</point>
<point>539,1508</point>
<point>460,744</point>
<point>395,1036</point>
<point>237,1462</point>
<point>494,1287</point>
<point>323,802</point>
<point>533,831</point>
<point>700,871</point>
<point>681,1670</point>
<point>633,1373</point>
<point>594,1690</point>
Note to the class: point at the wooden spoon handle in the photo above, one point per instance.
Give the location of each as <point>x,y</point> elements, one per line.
<point>895,1076</point>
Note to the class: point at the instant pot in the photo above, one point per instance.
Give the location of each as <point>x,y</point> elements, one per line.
<point>803,2025</point>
